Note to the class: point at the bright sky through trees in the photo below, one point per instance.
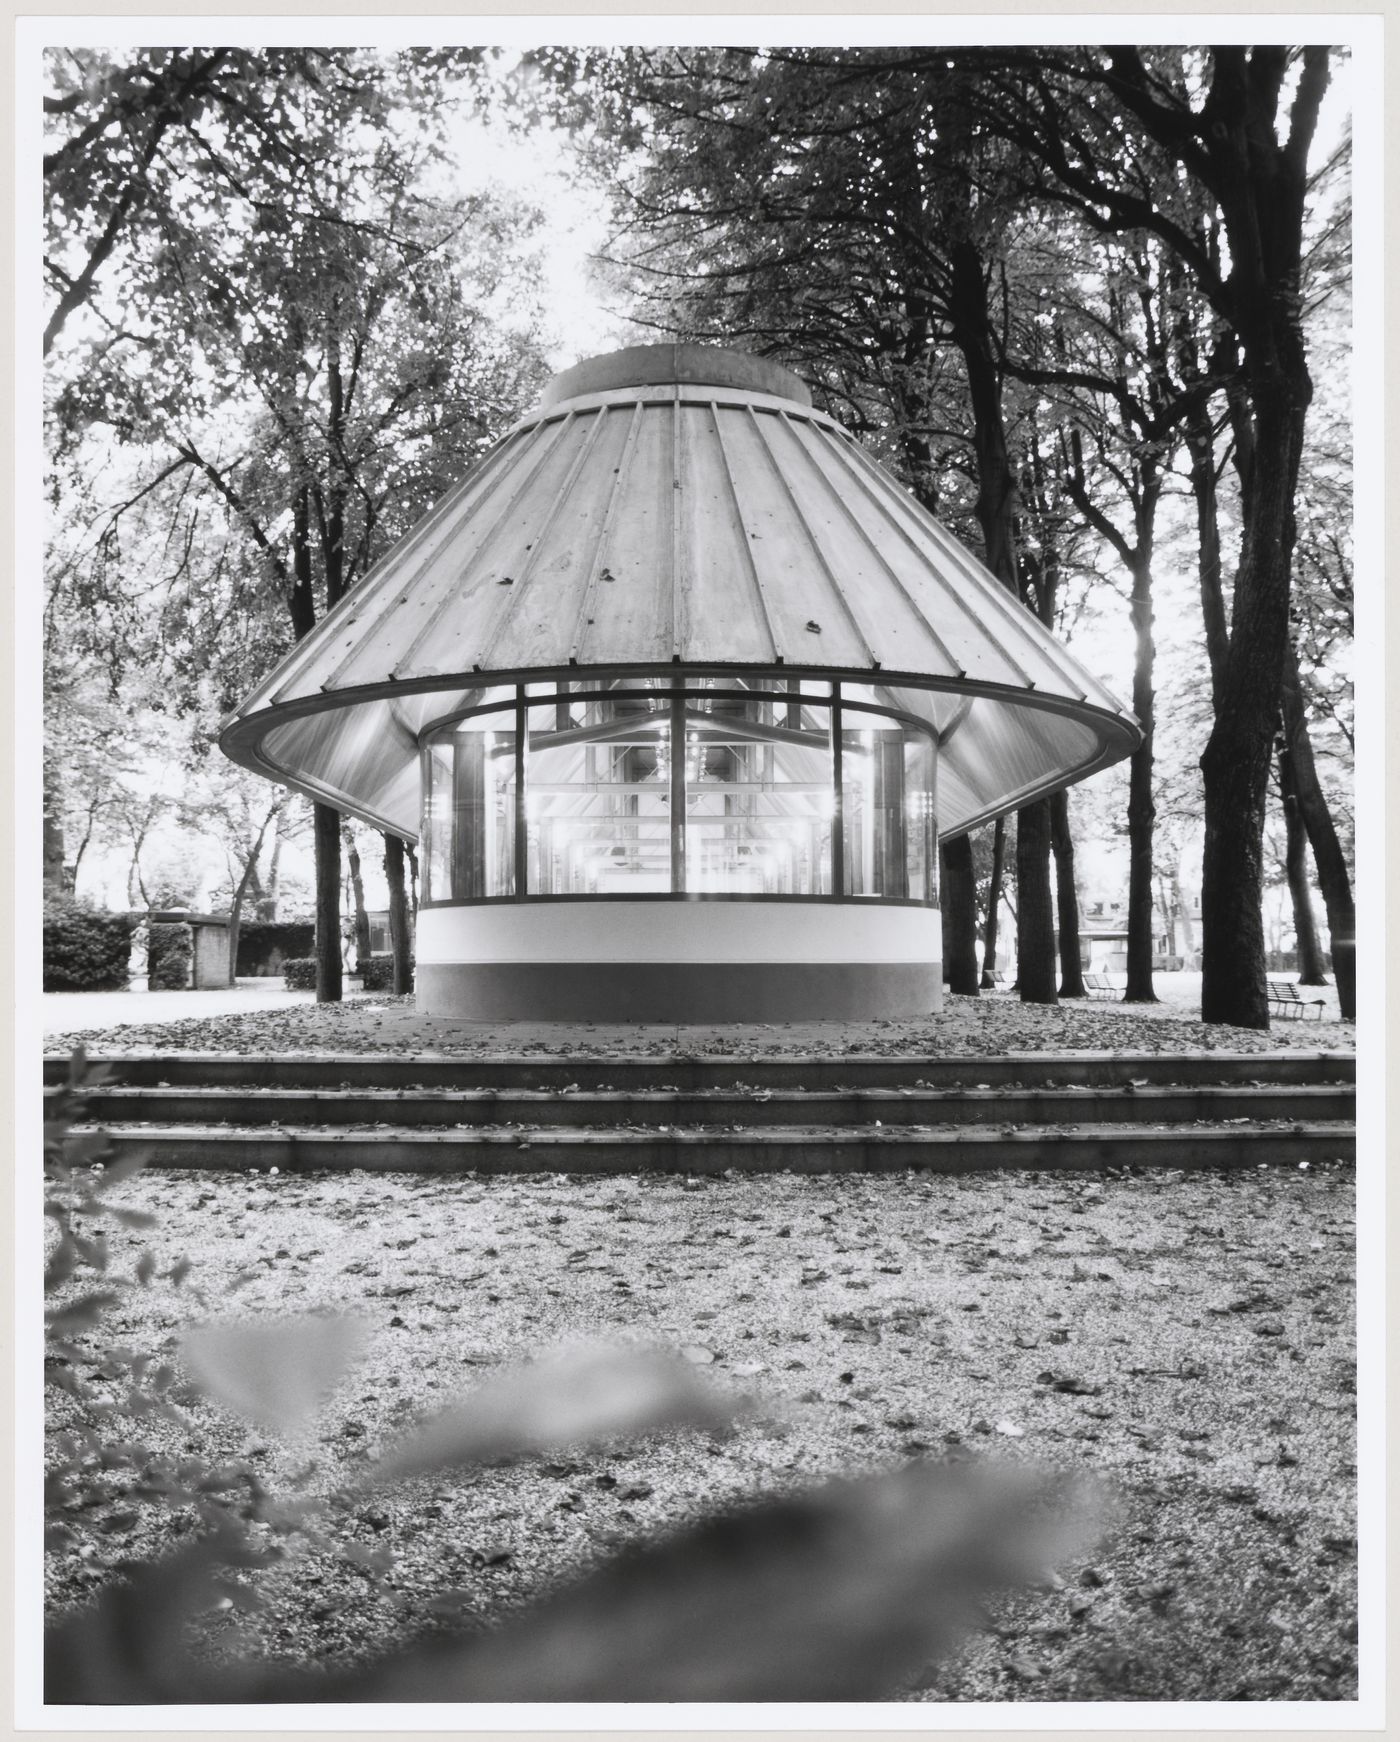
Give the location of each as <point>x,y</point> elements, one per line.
<point>538,167</point>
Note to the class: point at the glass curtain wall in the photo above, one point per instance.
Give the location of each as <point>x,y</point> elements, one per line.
<point>758,792</point>
<point>598,805</point>
<point>719,788</point>
<point>889,841</point>
<point>470,809</point>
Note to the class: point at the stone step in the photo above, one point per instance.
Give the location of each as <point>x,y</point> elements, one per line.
<point>702,1072</point>
<point>753,1107</point>
<point>799,1149</point>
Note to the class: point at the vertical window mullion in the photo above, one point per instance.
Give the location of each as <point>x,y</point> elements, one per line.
<point>522,839</point>
<point>838,827</point>
<point>677,792</point>
<point>425,827</point>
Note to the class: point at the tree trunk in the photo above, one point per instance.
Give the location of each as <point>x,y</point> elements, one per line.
<point>1262,185</point>
<point>1188,931</point>
<point>411,853</point>
<point>1141,896</point>
<point>1316,816</point>
<point>1200,438</point>
<point>267,906</point>
<point>1233,957</point>
<point>1235,762</point>
<point>1142,811</point>
<point>971,322</point>
<point>1244,689</point>
<point>301,603</point>
<point>135,882</point>
<point>399,934</point>
<point>958,907</point>
<point>1295,860</point>
<point>1050,834</point>
<point>70,873</point>
<point>1162,909</point>
<point>329,979</point>
<point>54,882</point>
<point>989,935</point>
<point>1232,924</point>
<point>357,891</point>
<point>246,881</point>
<point>1035,913</point>
<point>1066,897</point>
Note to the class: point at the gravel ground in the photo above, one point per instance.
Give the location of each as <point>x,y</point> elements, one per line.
<point>1187,1336</point>
<point>967,1025</point>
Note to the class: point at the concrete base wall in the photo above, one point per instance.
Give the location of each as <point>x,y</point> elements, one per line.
<point>678,961</point>
<point>677,991</point>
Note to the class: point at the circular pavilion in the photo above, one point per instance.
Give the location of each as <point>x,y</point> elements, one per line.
<point>678,690</point>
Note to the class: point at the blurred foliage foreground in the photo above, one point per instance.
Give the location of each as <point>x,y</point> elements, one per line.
<point>845,1591</point>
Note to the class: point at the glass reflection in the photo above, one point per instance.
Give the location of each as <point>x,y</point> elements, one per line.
<point>470,822</point>
<point>598,797</point>
<point>758,797</point>
<point>723,788</point>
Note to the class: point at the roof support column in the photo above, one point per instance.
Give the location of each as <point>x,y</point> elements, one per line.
<point>838,827</point>
<point>678,747</point>
<point>522,832</point>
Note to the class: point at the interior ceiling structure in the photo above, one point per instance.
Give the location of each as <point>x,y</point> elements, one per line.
<point>673,509</point>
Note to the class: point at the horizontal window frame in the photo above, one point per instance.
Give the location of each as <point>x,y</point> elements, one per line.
<point>682,895</point>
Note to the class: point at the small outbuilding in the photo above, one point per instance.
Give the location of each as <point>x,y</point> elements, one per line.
<point>679,689</point>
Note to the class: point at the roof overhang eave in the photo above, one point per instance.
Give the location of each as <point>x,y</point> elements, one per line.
<point>244,747</point>
<point>1030,793</point>
<point>1117,721</point>
<point>243,736</point>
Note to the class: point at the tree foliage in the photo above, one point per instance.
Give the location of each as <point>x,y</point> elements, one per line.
<point>278,338</point>
<point>1055,288</point>
<point>963,247</point>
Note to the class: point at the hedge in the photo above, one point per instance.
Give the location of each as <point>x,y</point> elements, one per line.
<point>84,950</point>
<point>299,973</point>
<point>170,956</point>
<point>265,944</point>
<point>377,974</point>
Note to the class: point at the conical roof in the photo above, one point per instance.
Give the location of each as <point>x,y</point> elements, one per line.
<point>678,506</point>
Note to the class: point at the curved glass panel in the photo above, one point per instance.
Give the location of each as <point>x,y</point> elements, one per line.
<point>758,794</point>
<point>469,814</point>
<point>598,796</point>
<point>717,788</point>
<point>889,848</point>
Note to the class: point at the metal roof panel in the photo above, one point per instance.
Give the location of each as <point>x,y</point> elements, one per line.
<point>678,506</point>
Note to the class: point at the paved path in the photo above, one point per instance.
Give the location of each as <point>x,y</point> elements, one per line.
<point>371,1021</point>
<point>63,1012</point>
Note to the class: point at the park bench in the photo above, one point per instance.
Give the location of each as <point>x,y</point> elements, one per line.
<point>1285,999</point>
<point>1101,986</point>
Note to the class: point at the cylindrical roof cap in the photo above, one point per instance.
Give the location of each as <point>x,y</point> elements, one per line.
<point>667,365</point>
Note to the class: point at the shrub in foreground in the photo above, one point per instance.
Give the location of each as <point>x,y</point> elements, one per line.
<point>299,974</point>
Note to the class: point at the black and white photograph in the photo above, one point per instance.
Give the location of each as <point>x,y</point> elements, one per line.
<point>693,827</point>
